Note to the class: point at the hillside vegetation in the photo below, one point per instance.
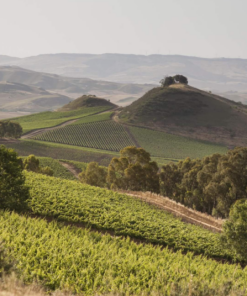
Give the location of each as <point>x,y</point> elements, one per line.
<point>75,259</point>
<point>124,215</point>
<point>49,119</point>
<point>86,101</point>
<point>184,110</point>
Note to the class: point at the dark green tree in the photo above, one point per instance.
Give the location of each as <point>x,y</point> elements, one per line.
<point>133,170</point>
<point>235,228</point>
<point>13,192</point>
<point>180,79</point>
<point>9,129</point>
<point>167,81</point>
<point>94,175</point>
<point>31,163</point>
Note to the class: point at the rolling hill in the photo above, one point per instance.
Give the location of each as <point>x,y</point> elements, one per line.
<point>184,110</point>
<point>216,74</point>
<point>87,101</point>
<point>70,87</point>
<point>25,98</point>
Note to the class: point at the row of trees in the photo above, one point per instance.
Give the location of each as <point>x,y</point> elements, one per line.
<point>169,80</point>
<point>9,129</point>
<point>210,185</point>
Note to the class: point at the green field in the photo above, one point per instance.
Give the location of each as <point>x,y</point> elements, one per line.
<point>106,135</point>
<point>94,118</point>
<point>166,145</point>
<point>124,215</point>
<point>49,119</point>
<point>60,151</point>
<point>81,166</point>
<point>87,262</point>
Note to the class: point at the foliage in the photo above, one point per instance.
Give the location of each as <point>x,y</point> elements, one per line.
<point>31,163</point>
<point>59,170</point>
<point>133,170</point>
<point>175,147</point>
<point>5,264</point>
<point>90,263</point>
<point>167,81</point>
<point>13,192</point>
<point>94,175</point>
<point>124,215</point>
<point>180,79</point>
<point>211,184</point>
<point>107,135</point>
<point>9,129</point>
<point>235,228</point>
<point>49,119</point>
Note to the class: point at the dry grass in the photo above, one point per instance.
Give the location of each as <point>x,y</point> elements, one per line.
<point>179,210</point>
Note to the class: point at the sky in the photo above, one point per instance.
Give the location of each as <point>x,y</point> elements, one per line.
<point>211,28</point>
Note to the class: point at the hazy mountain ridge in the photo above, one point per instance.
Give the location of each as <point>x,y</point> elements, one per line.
<point>219,74</point>
<point>72,87</point>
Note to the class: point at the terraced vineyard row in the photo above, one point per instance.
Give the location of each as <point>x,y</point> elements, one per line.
<point>125,215</point>
<point>89,263</point>
<point>106,135</point>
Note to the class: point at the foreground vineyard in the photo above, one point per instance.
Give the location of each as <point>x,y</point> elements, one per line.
<point>166,145</point>
<point>122,214</point>
<point>89,263</point>
<point>107,135</point>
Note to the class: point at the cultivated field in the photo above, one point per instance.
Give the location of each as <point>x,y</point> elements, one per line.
<point>106,135</point>
<point>76,259</point>
<point>103,209</point>
<point>166,145</point>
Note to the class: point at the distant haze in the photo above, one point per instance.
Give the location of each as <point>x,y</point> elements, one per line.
<point>212,28</point>
<point>217,75</point>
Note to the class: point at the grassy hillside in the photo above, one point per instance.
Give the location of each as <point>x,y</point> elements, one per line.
<point>87,101</point>
<point>75,259</point>
<point>60,151</point>
<point>187,111</point>
<point>124,215</point>
<point>106,135</point>
<point>176,147</point>
<point>49,119</point>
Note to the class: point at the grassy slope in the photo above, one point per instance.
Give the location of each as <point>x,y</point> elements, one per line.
<point>189,111</point>
<point>89,263</point>
<point>124,215</point>
<point>48,119</point>
<point>166,145</point>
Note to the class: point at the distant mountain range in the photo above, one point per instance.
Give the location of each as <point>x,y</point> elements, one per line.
<point>26,90</point>
<point>217,75</point>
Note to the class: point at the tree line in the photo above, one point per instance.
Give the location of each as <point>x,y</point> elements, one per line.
<point>210,185</point>
<point>169,80</point>
<point>9,129</point>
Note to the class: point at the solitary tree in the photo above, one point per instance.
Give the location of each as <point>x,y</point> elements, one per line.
<point>13,192</point>
<point>9,129</point>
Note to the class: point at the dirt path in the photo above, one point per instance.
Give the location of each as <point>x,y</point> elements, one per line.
<point>71,168</point>
<point>40,131</point>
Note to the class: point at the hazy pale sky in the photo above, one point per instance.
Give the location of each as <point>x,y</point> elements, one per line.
<point>211,28</point>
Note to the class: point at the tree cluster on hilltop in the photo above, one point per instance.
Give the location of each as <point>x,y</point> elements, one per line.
<point>169,80</point>
<point>9,129</point>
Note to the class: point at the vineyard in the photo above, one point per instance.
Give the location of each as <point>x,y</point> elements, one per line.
<point>49,119</point>
<point>94,118</point>
<point>58,169</point>
<point>124,215</point>
<point>166,145</point>
<point>76,259</point>
<point>106,135</point>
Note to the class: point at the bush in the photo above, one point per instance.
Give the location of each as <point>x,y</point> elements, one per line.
<point>31,163</point>
<point>13,192</point>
